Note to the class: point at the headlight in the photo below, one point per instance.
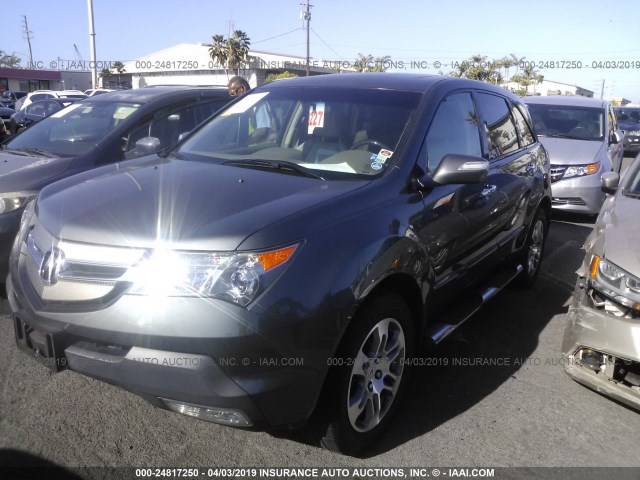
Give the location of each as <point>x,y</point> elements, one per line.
<point>615,283</point>
<point>235,277</point>
<point>25,221</point>
<point>581,170</point>
<point>14,200</point>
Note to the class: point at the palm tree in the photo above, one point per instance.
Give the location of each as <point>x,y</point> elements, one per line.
<point>529,76</point>
<point>8,61</point>
<point>366,63</point>
<point>231,52</point>
<point>105,74</point>
<point>119,68</point>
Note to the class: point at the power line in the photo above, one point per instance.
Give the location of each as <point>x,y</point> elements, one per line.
<point>327,45</point>
<point>278,36</point>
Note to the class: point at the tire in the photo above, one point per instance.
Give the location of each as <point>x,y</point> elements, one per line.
<point>533,250</point>
<point>372,377</point>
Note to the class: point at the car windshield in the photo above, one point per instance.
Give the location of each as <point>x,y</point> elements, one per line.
<point>328,132</point>
<point>628,115</point>
<point>74,130</point>
<point>579,123</point>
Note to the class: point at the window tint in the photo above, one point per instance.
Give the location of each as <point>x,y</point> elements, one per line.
<point>36,109</point>
<point>52,107</point>
<point>523,128</point>
<point>454,129</point>
<point>498,125</point>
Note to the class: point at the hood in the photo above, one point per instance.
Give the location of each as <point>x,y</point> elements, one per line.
<point>21,171</point>
<point>567,151</point>
<point>181,204</point>
<point>622,230</point>
<point>626,126</point>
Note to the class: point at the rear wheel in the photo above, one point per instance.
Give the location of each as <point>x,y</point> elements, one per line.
<point>368,383</point>
<point>533,249</point>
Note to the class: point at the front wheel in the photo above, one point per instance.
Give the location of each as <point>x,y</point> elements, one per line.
<point>373,373</point>
<point>533,249</point>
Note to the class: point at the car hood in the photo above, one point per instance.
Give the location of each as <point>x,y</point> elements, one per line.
<point>27,172</point>
<point>178,204</point>
<point>626,126</point>
<point>567,151</point>
<point>615,235</point>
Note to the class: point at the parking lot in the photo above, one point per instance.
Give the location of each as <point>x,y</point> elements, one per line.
<point>502,399</point>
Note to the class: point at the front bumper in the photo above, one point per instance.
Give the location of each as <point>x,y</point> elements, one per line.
<point>186,351</point>
<point>578,195</point>
<point>614,341</point>
<point>9,226</point>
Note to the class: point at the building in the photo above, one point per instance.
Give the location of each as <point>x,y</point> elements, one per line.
<point>190,64</point>
<point>618,101</point>
<point>549,87</point>
<point>28,80</point>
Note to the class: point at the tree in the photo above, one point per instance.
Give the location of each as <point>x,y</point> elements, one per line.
<point>231,52</point>
<point>273,76</point>
<point>480,67</point>
<point>529,76</point>
<point>105,75</point>
<point>9,61</point>
<point>118,66</point>
<point>367,63</point>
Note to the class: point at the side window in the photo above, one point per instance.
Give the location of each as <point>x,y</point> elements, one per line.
<point>52,107</point>
<point>498,125</point>
<point>454,129</point>
<point>166,127</point>
<point>526,136</point>
<point>36,109</point>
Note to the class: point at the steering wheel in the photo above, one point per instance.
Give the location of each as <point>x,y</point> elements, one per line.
<point>371,142</point>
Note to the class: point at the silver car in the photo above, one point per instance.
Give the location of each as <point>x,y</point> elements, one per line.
<point>582,138</point>
<point>601,345</point>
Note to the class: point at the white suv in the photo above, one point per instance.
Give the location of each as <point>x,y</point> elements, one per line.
<point>45,94</point>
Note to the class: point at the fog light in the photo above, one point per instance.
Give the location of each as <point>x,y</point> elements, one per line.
<point>592,359</point>
<point>226,416</point>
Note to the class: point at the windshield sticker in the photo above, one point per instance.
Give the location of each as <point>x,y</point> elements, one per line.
<point>123,112</point>
<point>66,110</point>
<point>316,116</point>
<point>376,165</point>
<point>330,167</point>
<point>373,156</point>
<point>384,155</point>
<point>245,103</point>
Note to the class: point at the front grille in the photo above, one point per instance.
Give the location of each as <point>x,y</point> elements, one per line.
<point>87,272</point>
<point>557,172</point>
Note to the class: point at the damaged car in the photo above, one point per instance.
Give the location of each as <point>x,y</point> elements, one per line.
<point>602,339</point>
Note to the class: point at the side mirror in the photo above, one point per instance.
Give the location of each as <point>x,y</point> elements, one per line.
<point>456,168</point>
<point>609,182</point>
<point>147,146</point>
<point>617,136</point>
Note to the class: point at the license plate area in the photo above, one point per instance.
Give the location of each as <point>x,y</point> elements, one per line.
<point>45,347</point>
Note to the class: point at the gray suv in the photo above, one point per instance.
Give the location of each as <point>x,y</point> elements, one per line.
<point>296,250</point>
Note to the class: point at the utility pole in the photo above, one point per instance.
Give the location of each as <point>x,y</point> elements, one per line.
<point>602,89</point>
<point>306,16</point>
<point>92,45</point>
<point>28,35</point>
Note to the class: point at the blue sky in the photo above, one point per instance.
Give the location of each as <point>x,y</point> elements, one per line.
<point>586,31</point>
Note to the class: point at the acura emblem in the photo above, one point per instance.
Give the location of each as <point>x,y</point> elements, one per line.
<point>51,265</point>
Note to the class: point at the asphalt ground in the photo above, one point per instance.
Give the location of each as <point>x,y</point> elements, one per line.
<point>524,412</point>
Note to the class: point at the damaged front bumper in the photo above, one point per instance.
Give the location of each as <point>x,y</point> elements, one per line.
<point>601,349</point>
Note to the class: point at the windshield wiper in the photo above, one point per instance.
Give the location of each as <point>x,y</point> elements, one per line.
<point>281,165</point>
<point>631,194</point>
<point>34,151</point>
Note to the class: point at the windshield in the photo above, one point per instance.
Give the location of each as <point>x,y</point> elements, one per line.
<point>351,131</point>
<point>628,115</point>
<point>74,130</point>
<point>579,123</point>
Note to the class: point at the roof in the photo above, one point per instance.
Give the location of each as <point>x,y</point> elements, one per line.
<point>148,94</point>
<point>392,81</point>
<point>572,101</point>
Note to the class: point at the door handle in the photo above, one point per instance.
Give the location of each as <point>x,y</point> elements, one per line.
<point>488,190</point>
